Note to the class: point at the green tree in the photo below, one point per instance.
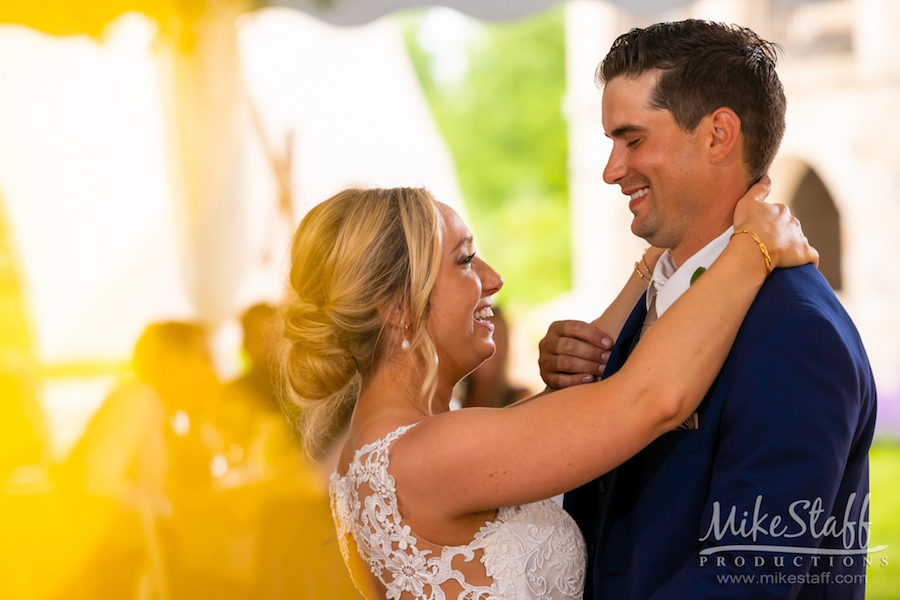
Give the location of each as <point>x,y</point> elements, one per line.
<point>504,125</point>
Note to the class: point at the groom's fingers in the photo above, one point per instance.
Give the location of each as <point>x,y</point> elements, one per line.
<point>564,381</point>
<point>560,333</point>
<point>572,353</point>
<point>565,371</point>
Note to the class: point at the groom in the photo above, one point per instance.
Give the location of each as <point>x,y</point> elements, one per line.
<point>763,492</point>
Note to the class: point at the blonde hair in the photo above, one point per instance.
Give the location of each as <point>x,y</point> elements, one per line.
<point>357,251</point>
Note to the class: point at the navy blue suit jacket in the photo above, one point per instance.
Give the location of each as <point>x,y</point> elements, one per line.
<point>788,420</point>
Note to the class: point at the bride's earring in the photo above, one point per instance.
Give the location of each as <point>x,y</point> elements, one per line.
<point>404,345</point>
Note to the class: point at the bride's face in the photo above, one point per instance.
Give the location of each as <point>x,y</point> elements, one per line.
<point>461,300</point>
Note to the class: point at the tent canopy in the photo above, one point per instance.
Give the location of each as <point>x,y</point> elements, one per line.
<point>357,12</point>
<point>73,17</point>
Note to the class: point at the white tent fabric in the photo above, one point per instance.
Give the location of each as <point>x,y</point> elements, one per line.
<point>84,173</point>
<point>357,12</point>
<point>104,242</point>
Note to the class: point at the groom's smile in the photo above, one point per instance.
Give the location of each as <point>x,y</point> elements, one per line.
<point>658,165</point>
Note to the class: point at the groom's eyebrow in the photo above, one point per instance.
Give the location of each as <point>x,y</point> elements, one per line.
<point>624,130</point>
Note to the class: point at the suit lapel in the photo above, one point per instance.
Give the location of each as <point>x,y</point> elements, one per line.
<point>584,503</point>
<point>591,503</point>
<point>627,338</point>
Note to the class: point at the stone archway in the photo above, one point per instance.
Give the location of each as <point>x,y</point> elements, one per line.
<point>813,204</point>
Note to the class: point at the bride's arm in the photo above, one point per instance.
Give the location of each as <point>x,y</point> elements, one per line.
<point>613,318</point>
<point>473,460</point>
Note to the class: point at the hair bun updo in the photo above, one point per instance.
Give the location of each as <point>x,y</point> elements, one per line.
<point>320,366</point>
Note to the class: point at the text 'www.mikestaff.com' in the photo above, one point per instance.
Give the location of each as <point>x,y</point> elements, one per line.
<point>791,578</point>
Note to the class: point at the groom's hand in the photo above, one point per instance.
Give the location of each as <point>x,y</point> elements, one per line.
<point>572,353</point>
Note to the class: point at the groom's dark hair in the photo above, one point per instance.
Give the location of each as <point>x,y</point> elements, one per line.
<point>706,66</point>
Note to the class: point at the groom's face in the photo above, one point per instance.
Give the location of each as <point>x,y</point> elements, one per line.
<point>658,165</point>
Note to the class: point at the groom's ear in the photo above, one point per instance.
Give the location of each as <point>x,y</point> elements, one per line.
<point>724,135</point>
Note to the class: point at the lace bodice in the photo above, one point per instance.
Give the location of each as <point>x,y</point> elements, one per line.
<point>529,552</point>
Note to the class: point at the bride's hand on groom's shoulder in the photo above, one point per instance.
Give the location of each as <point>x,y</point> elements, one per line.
<point>572,353</point>
<point>780,231</point>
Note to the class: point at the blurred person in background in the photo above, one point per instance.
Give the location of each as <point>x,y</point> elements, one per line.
<point>152,444</point>
<point>206,493</point>
<point>97,526</point>
<point>174,359</point>
<point>257,437</point>
<point>280,493</point>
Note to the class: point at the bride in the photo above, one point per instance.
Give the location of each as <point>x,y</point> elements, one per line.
<point>393,308</point>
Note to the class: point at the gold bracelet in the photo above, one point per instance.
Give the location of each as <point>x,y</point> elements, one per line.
<point>638,271</point>
<point>644,262</point>
<point>762,247</point>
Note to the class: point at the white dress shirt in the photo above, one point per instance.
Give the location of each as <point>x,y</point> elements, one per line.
<point>670,281</point>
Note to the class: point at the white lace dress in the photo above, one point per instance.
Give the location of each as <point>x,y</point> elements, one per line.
<point>529,552</point>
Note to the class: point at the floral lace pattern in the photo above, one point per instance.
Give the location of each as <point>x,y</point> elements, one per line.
<point>531,552</point>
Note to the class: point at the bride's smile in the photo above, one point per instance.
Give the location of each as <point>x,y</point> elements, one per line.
<point>461,302</point>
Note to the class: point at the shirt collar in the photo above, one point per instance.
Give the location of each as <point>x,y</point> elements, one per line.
<point>671,281</point>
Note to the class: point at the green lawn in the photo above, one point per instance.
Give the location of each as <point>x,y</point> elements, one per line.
<point>884,515</point>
